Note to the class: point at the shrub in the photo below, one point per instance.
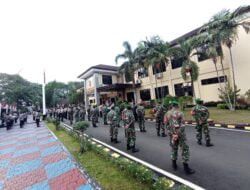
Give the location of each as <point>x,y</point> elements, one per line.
<point>184,101</point>
<point>82,126</point>
<point>162,184</point>
<point>222,106</point>
<point>212,103</point>
<point>56,123</point>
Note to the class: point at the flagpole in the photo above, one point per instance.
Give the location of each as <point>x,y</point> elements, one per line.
<point>44,104</point>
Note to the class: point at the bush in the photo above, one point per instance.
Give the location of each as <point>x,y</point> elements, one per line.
<point>82,126</point>
<point>222,106</point>
<point>162,184</point>
<point>56,123</point>
<point>212,103</point>
<point>184,101</point>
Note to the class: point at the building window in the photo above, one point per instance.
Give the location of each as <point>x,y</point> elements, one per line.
<point>214,80</point>
<point>142,72</point>
<point>106,79</point>
<point>145,95</point>
<point>177,62</point>
<point>159,68</point>
<point>180,90</point>
<point>161,92</point>
<point>130,97</point>
<point>202,54</point>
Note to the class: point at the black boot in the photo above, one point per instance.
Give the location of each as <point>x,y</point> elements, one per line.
<point>144,130</point>
<point>116,141</point>
<point>128,147</point>
<point>208,144</point>
<point>187,169</point>
<point>199,142</point>
<point>111,139</point>
<point>163,135</point>
<point>174,165</point>
<point>158,133</point>
<point>134,149</point>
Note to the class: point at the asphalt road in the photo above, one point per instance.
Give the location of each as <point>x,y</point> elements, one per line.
<point>224,166</point>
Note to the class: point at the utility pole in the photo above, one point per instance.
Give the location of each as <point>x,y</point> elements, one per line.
<point>44,104</point>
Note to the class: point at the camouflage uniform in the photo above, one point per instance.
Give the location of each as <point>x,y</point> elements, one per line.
<point>94,116</point>
<point>174,120</point>
<point>89,113</point>
<point>118,114</point>
<point>129,123</point>
<point>177,134</point>
<point>201,114</point>
<point>160,111</point>
<point>140,114</point>
<point>82,114</point>
<point>71,115</point>
<point>112,121</point>
<point>104,113</point>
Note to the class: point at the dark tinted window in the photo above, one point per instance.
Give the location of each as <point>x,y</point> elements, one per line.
<point>214,80</point>
<point>181,90</point>
<point>202,55</point>
<point>106,79</point>
<point>145,95</point>
<point>142,72</point>
<point>159,68</point>
<point>130,96</point>
<point>161,92</point>
<point>177,62</point>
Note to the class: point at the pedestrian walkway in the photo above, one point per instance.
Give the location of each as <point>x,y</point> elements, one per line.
<point>32,158</point>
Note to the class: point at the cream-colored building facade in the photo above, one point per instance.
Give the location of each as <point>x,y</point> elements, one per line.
<point>206,87</point>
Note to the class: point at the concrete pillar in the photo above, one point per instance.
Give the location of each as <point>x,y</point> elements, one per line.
<point>85,94</point>
<point>97,95</point>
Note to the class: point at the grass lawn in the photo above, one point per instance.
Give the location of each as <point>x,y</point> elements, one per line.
<point>221,116</point>
<point>103,171</point>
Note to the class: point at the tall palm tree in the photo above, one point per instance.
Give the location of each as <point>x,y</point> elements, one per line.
<point>129,66</point>
<point>211,44</point>
<point>184,50</point>
<point>155,52</point>
<point>226,24</point>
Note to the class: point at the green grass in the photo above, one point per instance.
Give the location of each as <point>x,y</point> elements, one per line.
<point>220,115</point>
<point>103,171</point>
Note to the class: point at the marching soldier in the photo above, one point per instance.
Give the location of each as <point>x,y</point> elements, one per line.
<point>174,119</point>
<point>140,111</point>
<point>159,113</point>
<point>94,115</point>
<point>82,114</point>
<point>112,118</point>
<point>104,113</point>
<point>201,115</point>
<point>71,115</point>
<point>38,115</point>
<point>89,114</point>
<point>129,124</point>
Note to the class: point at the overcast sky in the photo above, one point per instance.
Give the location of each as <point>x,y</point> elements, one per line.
<point>65,37</point>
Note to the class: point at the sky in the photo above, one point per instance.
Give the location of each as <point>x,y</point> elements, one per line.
<point>66,37</point>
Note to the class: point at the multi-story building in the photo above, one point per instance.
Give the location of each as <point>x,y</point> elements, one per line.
<point>104,83</point>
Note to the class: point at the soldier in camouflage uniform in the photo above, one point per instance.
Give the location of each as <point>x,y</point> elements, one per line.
<point>104,113</point>
<point>112,118</point>
<point>201,114</point>
<point>89,113</point>
<point>140,114</point>
<point>71,115</point>
<point>129,125</point>
<point>94,115</point>
<point>118,114</point>
<point>159,113</point>
<point>174,119</point>
<point>82,114</point>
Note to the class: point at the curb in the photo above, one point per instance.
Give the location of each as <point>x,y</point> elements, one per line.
<point>212,124</point>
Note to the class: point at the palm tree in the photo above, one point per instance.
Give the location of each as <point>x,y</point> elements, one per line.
<point>184,50</point>
<point>211,44</point>
<point>154,52</point>
<point>226,24</point>
<point>129,66</point>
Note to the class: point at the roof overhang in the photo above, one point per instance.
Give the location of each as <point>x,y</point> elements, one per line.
<point>93,71</point>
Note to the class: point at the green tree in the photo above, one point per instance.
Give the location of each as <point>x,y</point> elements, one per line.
<point>185,50</point>
<point>129,65</point>
<point>227,24</point>
<point>153,52</point>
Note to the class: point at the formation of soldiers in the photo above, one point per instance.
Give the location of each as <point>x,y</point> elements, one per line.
<point>9,119</point>
<point>169,122</point>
